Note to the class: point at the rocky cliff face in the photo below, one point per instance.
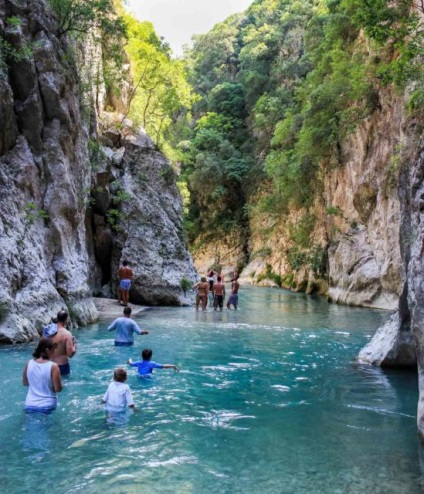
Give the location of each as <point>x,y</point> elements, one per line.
<point>137,215</point>
<point>399,343</point>
<point>361,233</point>
<point>62,230</point>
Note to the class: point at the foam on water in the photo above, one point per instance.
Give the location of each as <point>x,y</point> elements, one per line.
<point>268,398</point>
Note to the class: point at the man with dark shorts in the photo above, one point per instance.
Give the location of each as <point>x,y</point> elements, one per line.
<point>66,345</point>
<point>125,328</point>
<point>233,300</point>
<point>219,294</point>
<point>125,275</point>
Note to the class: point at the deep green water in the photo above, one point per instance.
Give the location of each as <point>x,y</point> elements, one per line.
<point>269,399</point>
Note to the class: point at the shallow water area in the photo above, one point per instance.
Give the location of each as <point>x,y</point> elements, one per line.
<point>268,398</point>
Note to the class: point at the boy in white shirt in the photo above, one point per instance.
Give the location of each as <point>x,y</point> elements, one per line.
<point>118,395</point>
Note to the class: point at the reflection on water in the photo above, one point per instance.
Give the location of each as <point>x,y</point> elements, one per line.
<point>268,397</point>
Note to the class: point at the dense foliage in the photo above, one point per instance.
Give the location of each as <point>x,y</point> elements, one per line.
<point>281,86</point>
<point>161,94</point>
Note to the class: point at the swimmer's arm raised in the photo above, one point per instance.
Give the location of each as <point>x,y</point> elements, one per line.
<point>57,381</point>
<point>25,381</point>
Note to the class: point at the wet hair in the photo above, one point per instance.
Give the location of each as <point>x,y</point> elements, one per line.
<point>43,345</point>
<point>210,274</point>
<point>203,279</point>
<point>62,316</point>
<point>219,278</point>
<point>124,263</point>
<point>120,375</point>
<point>147,354</point>
<point>127,311</point>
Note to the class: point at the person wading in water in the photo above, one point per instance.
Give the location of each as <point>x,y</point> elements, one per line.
<point>202,293</point>
<point>233,300</point>
<point>66,344</point>
<point>125,274</point>
<point>43,378</point>
<point>219,294</point>
<point>125,328</point>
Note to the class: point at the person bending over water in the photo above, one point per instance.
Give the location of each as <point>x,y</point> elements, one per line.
<point>43,378</point>
<point>66,345</point>
<point>125,328</point>
<point>146,365</point>
<point>233,300</point>
<point>125,274</point>
<point>219,294</point>
<point>202,293</point>
<point>118,395</point>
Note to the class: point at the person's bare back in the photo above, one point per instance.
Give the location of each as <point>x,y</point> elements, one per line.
<point>66,346</point>
<point>235,287</point>
<point>125,273</point>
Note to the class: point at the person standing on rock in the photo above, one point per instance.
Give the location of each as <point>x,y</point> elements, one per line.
<point>233,300</point>
<point>125,274</point>
<point>66,344</point>
<point>125,328</point>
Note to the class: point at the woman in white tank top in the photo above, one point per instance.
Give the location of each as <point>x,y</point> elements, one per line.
<point>43,378</point>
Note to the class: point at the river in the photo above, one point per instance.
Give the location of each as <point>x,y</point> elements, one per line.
<point>269,398</point>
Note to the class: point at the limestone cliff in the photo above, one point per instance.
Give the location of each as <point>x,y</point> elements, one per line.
<point>66,218</point>
<point>355,223</point>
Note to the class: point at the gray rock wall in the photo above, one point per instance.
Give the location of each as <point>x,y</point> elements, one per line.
<point>43,168</point>
<point>58,243</point>
<point>137,215</point>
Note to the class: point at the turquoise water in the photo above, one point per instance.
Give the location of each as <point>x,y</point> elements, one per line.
<point>268,399</point>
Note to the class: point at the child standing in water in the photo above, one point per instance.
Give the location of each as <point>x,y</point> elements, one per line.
<point>146,365</point>
<point>118,395</point>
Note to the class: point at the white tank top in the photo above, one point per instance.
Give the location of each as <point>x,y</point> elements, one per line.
<point>41,393</point>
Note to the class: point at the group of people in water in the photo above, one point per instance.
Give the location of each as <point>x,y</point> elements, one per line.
<point>43,374</point>
<point>214,286</point>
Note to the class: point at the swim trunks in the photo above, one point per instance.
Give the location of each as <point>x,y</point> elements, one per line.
<point>39,409</point>
<point>124,343</point>
<point>65,369</point>
<point>125,284</point>
<point>218,302</point>
<point>233,299</point>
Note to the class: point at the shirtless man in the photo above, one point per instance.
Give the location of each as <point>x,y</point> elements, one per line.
<point>202,293</point>
<point>233,300</point>
<point>125,275</point>
<point>218,294</point>
<point>66,345</point>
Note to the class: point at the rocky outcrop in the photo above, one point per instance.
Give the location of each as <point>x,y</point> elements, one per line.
<point>43,168</point>
<point>364,259</point>
<point>63,196</point>
<point>356,223</point>
<point>413,252</point>
<point>137,215</point>
<point>400,342</point>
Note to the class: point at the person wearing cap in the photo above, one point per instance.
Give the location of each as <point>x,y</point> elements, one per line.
<point>125,328</point>
<point>65,343</point>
